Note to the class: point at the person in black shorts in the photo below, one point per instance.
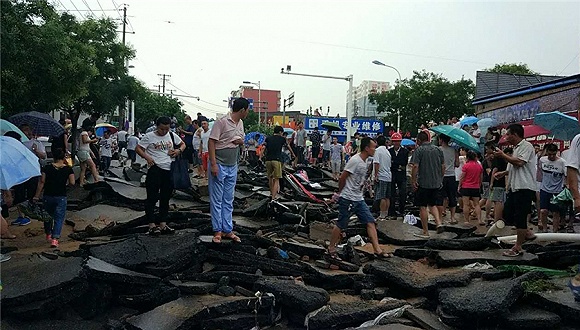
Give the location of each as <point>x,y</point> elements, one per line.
<point>427,178</point>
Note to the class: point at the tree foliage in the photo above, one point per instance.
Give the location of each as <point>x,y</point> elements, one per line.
<point>251,124</point>
<point>512,68</point>
<point>149,106</point>
<point>424,97</point>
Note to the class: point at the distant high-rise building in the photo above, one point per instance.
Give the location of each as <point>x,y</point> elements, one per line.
<point>362,105</point>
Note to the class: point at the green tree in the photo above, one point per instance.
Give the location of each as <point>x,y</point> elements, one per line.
<point>149,106</point>
<point>424,97</point>
<point>251,124</point>
<point>512,68</point>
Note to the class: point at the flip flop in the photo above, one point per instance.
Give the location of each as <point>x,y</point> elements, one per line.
<point>383,255</point>
<point>512,253</point>
<point>233,237</point>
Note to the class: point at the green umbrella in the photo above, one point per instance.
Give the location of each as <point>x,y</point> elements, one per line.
<point>458,135</point>
<point>331,126</point>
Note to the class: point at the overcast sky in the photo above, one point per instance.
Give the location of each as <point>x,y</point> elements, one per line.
<point>209,48</point>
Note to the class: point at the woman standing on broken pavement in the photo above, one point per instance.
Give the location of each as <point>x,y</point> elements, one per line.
<point>159,148</point>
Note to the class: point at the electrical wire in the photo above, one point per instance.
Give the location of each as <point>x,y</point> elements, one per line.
<point>567,65</point>
<point>83,16</point>
<point>86,4</point>
<point>99,3</point>
<point>62,5</point>
<point>186,93</point>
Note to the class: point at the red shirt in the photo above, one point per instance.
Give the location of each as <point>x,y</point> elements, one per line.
<point>472,171</point>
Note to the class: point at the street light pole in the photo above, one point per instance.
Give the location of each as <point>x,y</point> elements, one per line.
<point>398,91</point>
<point>349,78</point>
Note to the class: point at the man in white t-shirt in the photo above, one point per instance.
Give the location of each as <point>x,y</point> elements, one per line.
<point>351,200</point>
<point>383,178</point>
<point>157,148</point>
<point>573,178</point>
<point>553,168</point>
<point>132,142</point>
<point>106,143</point>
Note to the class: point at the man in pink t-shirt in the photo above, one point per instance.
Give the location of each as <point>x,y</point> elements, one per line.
<point>225,140</point>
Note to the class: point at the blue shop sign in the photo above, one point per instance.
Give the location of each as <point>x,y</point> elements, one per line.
<point>371,127</point>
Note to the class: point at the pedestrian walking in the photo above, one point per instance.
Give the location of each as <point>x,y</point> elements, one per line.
<point>188,139</point>
<point>383,177</point>
<point>273,156</point>
<point>225,140</point>
<point>521,186</point>
<point>399,162</point>
<point>300,141</point>
<point>449,189</point>
<point>159,148</point>
<point>470,185</point>
<point>336,158</point>
<point>351,200</point>
<point>573,179</point>
<point>252,146</point>
<point>427,178</point>
<point>326,147</point>
<point>132,142</point>
<point>316,139</point>
<point>86,155</point>
<point>55,177</point>
<point>106,143</point>
<point>553,170</point>
<point>497,194</point>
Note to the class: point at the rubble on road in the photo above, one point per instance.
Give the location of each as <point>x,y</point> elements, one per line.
<point>279,274</point>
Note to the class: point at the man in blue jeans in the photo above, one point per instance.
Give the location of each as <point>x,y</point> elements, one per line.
<point>225,140</point>
<point>351,199</point>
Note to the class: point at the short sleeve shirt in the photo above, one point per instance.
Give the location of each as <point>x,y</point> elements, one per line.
<point>158,148</point>
<point>573,156</point>
<point>523,177</point>
<point>326,142</point>
<point>106,147</point>
<point>336,151</point>
<point>383,158</point>
<point>301,138</point>
<point>353,188</point>
<point>224,132</point>
<point>315,138</point>
<point>430,160</point>
<point>552,174</point>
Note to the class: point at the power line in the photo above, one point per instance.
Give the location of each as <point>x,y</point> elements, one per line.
<point>61,4</point>
<point>567,65</point>
<point>100,5</point>
<point>83,16</point>
<point>216,105</point>
<point>86,4</point>
<point>181,90</point>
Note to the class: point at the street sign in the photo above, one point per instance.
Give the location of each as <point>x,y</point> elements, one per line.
<point>291,100</point>
<point>232,99</point>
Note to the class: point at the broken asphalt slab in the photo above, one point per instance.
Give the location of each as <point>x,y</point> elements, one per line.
<point>466,244</point>
<point>399,233</point>
<point>99,216</point>
<point>528,317</point>
<point>414,277</point>
<point>293,294</point>
<point>426,319</point>
<point>451,258</point>
<point>267,265</point>
<point>159,256</point>
<point>482,303</point>
<point>194,287</point>
<point>25,281</point>
<point>559,301</point>
<point>189,312</point>
<point>304,249</point>
<point>104,271</point>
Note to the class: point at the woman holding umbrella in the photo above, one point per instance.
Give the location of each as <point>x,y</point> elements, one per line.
<point>86,156</point>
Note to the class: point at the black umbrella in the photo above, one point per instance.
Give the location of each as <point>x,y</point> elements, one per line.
<point>42,124</point>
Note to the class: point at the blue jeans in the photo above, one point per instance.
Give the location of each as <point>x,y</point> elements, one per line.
<point>221,194</point>
<point>56,207</point>
<point>347,207</point>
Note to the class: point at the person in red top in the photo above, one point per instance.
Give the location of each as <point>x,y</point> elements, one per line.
<point>469,185</point>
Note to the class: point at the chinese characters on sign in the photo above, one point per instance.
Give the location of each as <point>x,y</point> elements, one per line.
<point>370,127</point>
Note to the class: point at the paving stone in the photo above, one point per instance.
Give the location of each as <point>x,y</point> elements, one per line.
<point>189,312</point>
<point>25,281</point>
<point>426,319</point>
<point>104,271</point>
<point>466,244</point>
<point>304,249</point>
<point>482,302</point>
<point>159,256</point>
<point>528,317</point>
<point>342,315</point>
<point>293,295</point>
<point>194,287</point>
<point>451,258</point>
<point>413,277</point>
<point>399,233</point>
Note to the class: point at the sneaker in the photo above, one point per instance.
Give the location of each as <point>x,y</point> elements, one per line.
<point>48,238</point>
<point>154,231</point>
<point>166,230</point>
<point>4,257</point>
<point>54,243</point>
<point>21,221</point>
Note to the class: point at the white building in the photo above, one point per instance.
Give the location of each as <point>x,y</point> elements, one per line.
<point>362,106</point>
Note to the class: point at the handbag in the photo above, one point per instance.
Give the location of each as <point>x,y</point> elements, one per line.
<point>179,175</point>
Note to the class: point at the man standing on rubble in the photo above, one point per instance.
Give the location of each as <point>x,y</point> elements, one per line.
<point>382,166</point>
<point>225,141</point>
<point>273,150</point>
<point>351,199</point>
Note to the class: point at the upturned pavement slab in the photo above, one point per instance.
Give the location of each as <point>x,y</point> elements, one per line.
<point>451,258</point>
<point>399,233</point>
<point>529,317</point>
<point>104,271</point>
<point>559,301</point>
<point>414,277</point>
<point>99,216</point>
<point>293,294</point>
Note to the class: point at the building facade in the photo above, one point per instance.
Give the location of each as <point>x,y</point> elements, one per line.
<point>363,107</point>
<point>270,99</point>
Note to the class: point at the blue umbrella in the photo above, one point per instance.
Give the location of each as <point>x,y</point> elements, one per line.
<point>288,130</point>
<point>6,126</point>
<point>484,123</point>
<point>251,135</point>
<point>469,120</point>
<point>407,143</point>
<point>42,124</point>
<point>561,126</point>
<point>458,135</point>
<point>17,163</point>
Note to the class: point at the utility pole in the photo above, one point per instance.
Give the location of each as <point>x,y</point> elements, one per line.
<point>158,88</point>
<point>124,22</point>
<point>171,91</point>
<point>164,80</point>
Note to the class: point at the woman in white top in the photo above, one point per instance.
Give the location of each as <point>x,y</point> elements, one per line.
<point>85,155</point>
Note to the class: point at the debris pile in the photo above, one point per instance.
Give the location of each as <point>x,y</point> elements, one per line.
<point>279,274</point>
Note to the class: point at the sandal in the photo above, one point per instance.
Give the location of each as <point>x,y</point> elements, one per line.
<point>217,239</point>
<point>513,253</point>
<point>233,237</point>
